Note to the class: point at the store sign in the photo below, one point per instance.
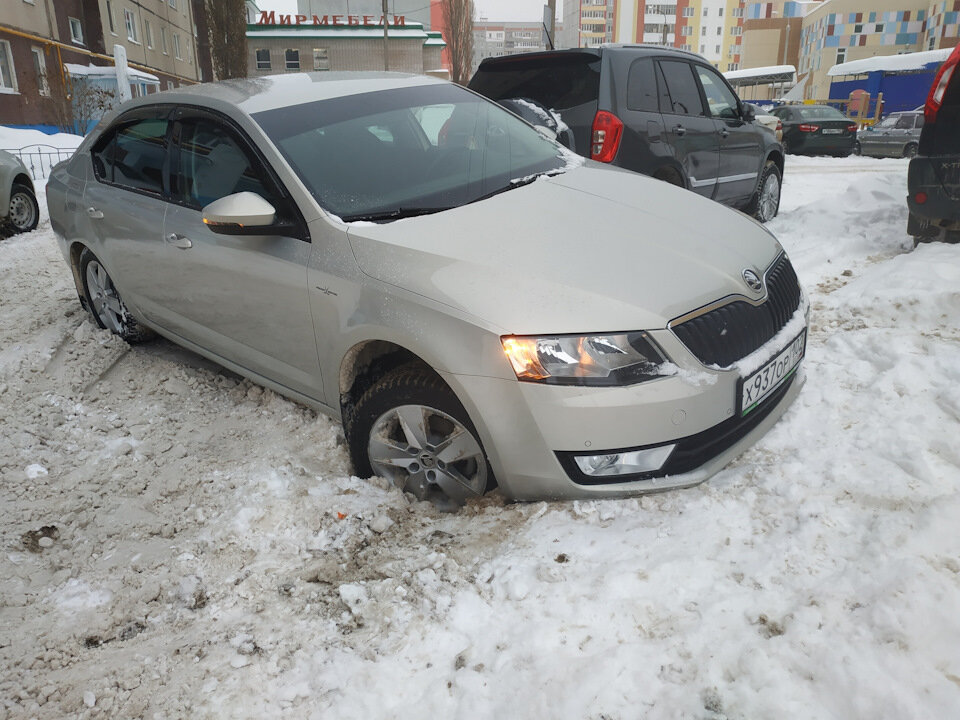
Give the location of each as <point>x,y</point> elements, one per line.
<point>272,18</point>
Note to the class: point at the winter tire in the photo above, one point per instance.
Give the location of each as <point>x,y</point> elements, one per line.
<point>910,150</point>
<point>23,213</point>
<point>105,304</point>
<point>766,202</point>
<point>409,428</point>
<point>857,150</point>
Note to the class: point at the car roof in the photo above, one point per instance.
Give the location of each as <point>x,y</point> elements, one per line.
<point>638,49</point>
<point>269,92</point>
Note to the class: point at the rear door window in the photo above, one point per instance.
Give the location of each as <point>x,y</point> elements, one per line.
<point>133,156</point>
<point>642,86</point>
<point>682,92</point>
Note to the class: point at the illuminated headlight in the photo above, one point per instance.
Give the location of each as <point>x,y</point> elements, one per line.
<point>625,463</point>
<point>620,359</point>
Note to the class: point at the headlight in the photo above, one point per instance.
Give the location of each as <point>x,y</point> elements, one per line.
<point>622,359</point>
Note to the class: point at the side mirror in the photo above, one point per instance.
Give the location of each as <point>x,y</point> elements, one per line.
<point>243,213</point>
<point>748,113</point>
<point>546,132</point>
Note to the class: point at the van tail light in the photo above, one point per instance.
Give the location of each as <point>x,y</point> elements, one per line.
<point>940,84</point>
<point>852,127</point>
<point>605,141</point>
<point>920,198</point>
<point>808,128</point>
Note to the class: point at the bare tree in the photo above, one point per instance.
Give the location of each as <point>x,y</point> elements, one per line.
<point>226,22</point>
<point>79,109</point>
<point>458,20</point>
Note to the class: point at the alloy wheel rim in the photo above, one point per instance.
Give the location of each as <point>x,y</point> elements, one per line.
<point>106,302</point>
<point>424,451</point>
<point>22,213</point>
<point>770,197</point>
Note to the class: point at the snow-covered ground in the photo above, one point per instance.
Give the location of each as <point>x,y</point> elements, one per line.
<point>178,542</point>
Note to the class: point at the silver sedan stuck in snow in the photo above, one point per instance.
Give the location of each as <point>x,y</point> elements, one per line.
<point>477,305</point>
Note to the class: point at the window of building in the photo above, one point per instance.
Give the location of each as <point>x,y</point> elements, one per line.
<point>686,30</point>
<point>263,58</point>
<point>717,51</point>
<point>688,12</point>
<point>703,30</point>
<point>76,31</point>
<point>932,43</point>
<point>110,17</point>
<point>841,55</point>
<point>170,85</point>
<point>8,78</point>
<point>292,59</point>
<point>176,46</point>
<point>721,12</point>
<point>736,30</point>
<point>163,39</point>
<point>172,3</point>
<point>703,49</point>
<point>131,23</point>
<point>719,31</point>
<point>704,12</point>
<point>857,29</point>
<point>878,28</point>
<point>40,68</point>
<point>148,32</point>
<point>321,59</point>
<point>737,12</point>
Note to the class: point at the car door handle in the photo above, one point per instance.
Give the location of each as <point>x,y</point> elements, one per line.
<point>179,241</point>
<point>679,130</point>
<point>724,133</point>
<point>95,214</point>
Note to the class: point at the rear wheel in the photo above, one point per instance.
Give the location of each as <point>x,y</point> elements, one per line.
<point>857,150</point>
<point>409,428</point>
<point>105,303</point>
<point>910,150</point>
<point>23,213</point>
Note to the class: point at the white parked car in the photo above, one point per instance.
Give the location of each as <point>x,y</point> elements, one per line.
<point>18,202</point>
<point>478,305</point>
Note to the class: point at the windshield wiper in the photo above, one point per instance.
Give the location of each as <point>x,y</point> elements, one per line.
<point>394,214</point>
<point>519,183</point>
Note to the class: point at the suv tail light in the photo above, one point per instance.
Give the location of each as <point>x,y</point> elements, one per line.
<point>940,84</point>
<point>605,141</point>
<point>808,128</point>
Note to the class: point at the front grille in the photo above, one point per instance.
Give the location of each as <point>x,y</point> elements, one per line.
<point>693,451</point>
<point>729,333</point>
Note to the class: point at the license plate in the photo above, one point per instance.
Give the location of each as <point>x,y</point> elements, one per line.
<point>831,131</point>
<point>757,387</point>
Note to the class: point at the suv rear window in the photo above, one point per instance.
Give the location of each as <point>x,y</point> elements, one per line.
<point>557,82</point>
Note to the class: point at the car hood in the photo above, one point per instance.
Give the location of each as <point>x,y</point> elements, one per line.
<point>592,250</point>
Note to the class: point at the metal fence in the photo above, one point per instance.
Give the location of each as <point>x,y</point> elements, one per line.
<point>39,158</point>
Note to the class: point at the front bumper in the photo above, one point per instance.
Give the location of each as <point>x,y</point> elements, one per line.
<point>529,430</point>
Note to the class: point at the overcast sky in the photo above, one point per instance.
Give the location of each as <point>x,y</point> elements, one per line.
<point>507,10</point>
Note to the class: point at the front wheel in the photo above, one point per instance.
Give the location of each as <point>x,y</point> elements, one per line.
<point>910,150</point>
<point>105,303</point>
<point>23,213</point>
<point>409,428</point>
<point>768,193</point>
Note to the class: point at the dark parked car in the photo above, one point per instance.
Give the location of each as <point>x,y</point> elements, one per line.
<point>897,135</point>
<point>816,130</point>
<point>933,181</point>
<point>662,112</point>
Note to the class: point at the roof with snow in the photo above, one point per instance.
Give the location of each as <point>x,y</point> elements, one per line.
<point>891,63</point>
<point>761,75</point>
<point>108,71</point>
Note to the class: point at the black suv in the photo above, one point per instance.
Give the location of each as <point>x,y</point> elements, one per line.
<point>662,112</point>
<point>933,181</point>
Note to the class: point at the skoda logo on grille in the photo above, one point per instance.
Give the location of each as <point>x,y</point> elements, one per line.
<point>752,280</point>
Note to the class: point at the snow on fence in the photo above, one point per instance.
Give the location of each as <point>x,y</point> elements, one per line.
<point>40,158</point>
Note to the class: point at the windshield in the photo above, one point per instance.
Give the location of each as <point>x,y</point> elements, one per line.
<point>820,112</point>
<point>395,153</point>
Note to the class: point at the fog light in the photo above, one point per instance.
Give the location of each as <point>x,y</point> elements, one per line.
<point>625,463</point>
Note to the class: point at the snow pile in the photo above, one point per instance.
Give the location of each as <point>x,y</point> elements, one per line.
<point>198,548</point>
